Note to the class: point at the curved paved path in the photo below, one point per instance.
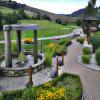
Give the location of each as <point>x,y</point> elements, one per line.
<point>90,78</point>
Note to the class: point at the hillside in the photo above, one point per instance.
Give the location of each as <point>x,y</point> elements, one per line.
<point>80,13</point>
<point>9,6</point>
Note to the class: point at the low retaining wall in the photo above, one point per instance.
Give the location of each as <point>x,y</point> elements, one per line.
<point>24,71</point>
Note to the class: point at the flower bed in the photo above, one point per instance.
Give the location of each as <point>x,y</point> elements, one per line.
<point>64,87</point>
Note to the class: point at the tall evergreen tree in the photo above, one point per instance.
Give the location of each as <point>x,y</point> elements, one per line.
<point>90,9</point>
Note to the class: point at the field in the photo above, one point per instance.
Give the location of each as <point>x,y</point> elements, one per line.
<point>6,10</point>
<point>47,29</point>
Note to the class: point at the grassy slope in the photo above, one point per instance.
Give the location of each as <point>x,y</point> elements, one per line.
<point>47,29</point>
<point>6,10</point>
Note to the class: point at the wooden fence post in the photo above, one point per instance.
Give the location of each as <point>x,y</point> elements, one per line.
<point>57,66</point>
<point>62,57</point>
<point>30,82</point>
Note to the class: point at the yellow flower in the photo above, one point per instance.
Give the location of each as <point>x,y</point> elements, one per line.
<point>52,45</point>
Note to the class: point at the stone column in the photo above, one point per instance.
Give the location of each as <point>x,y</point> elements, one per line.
<point>8,58</point>
<point>35,50</point>
<point>18,41</point>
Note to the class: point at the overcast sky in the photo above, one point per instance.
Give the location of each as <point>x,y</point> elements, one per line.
<point>57,6</point>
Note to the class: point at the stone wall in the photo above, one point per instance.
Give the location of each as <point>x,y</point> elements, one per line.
<point>24,71</point>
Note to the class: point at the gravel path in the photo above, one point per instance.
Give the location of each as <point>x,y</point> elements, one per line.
<point>90,78</point>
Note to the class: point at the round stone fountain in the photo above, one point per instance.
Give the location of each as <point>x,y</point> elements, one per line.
<point>13,65</point>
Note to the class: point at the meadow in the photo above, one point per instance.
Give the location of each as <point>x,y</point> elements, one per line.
<point>47,29</point>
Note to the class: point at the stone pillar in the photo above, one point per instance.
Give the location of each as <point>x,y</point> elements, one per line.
<point>18,41</point>
<point>35,50</point>
<point>8,58</point>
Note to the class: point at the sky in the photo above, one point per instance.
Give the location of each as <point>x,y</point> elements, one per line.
<point>57,6</point>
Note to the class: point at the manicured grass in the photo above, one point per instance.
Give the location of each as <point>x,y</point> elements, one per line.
<point>64,87</point>
<point>47,29</point>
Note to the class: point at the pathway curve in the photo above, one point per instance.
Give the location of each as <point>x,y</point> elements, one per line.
<point>90,78</point>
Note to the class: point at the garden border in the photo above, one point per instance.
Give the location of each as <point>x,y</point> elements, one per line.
<point>94,67</point>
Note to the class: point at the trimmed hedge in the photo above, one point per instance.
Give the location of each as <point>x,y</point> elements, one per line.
<point>96,42</point>
<point>60,49</point>
<point>81,40</point>
<point>87,51</point>
<point>71,83</point>
<point>86,59</point>
<point>97,56</point>
<point>65,42</point>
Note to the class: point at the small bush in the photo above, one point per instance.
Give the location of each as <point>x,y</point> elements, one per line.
<point>65,42</point>
<point>48,59</point>
<point>87,51</point>
<point>81,40</point>
<point>86,59</point>
<point>60,49</point>
<point>98,56</point>
<point>96,42</point>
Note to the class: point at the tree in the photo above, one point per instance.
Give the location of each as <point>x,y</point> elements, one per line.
<point>1,18</point>
<point>11,18</point>
<point>79,22</point>
<point>59,21</point>
<point>46,17</point>
<point>38,16</point>
<point>21,14</point>
<point>90,9</point>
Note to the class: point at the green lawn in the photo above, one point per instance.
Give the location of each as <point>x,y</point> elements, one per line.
<point>6,10</point>
<point>47,29</point>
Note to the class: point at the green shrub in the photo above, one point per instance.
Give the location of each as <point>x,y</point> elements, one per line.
<point>87,51</point>
<point>29,94</point>
<point>81,40</point>
<point>96,42</point>
<point>86,59</point>
<point>22,57</point>
<point>68,82</point>
<point>48,59</point>
<point>60,49</point>
<point>65,42</point>
<point>98,56</point>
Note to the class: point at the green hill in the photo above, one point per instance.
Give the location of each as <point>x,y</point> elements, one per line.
<point>47,29</point>
<point>31,11</point>
<point>6,10</point>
